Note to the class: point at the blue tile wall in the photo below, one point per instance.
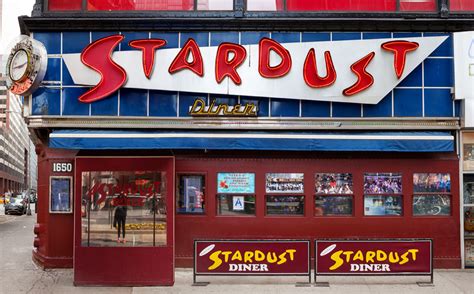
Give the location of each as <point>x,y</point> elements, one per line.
<point>315,108</point>
<point>172,39</point>
<point>46,101</point>
<point>247,38</point>
<point>345,109</point>
<point>106,107</point>
<point>163,103</point>
<point>50,40</point>
<point>381,109</point>
<point>133,102</point>
<point>408,102</point>
<point>219,37</point>
<point>285,107</point>
<point>71,104</point>
<point>437,80</point>
<point>74,42</point>
<point>457,108</point>
<point>438,103</point>
<point>224,99</point>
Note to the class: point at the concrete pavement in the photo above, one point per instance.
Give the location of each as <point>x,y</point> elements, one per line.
<point>18,274</point>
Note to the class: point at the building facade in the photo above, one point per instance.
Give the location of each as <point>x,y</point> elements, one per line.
<point>161,124</point>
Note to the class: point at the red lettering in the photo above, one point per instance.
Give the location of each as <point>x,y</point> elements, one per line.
<point>148,47</point>
<point>226,67</point>
<point>180,62</point>
<point>265,47</point>
<point>112,75</point>
<point>310,71</point>
<point>400,50</point>
<point>364,79</point>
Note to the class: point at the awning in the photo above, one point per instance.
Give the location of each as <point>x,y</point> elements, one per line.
<point>281,141</point>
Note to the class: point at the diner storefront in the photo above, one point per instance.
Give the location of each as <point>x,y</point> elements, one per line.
<point>156,132</point>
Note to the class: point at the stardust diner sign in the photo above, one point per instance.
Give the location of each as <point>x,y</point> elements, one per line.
<point>373,257</point>
<point>355,71</point>
<point>257,257</point>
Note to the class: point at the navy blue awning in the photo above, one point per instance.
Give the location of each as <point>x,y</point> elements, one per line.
<point>282,141</point>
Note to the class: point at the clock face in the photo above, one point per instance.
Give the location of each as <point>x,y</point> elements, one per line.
<point>19,65</point>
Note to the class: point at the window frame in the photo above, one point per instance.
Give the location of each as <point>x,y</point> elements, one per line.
<point>266,214</point>
<point>204,185</point>
<point>449,194</point>
<point>400,194</point>
<point>236,194</point>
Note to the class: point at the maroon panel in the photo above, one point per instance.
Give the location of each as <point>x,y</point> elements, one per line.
<point>112,5</point>
<point>125,265</point>
<point>341,5</point>
<point>62,5</point>
<point>461,5</point>
<point>373,257</point>
<point>276,257</point>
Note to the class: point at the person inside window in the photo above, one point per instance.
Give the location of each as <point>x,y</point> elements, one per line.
<point>120,216</point>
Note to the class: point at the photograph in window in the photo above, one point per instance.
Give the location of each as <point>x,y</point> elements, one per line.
<point>333,205</point>
<point>437,204</point>
<point>382,183</point>
<point>431,182</point>
<point>333,183</point>
<point>284,183</point>
<point>190,194</point>
<point>382,205</point>
<point>285,205</point>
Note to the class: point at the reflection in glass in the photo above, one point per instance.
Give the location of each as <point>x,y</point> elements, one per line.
<point>426,182</point>
<point>468,191</point>
<point>190,194</point>
<point>333,205</point>
<point>337,183</point>
<point>61,194</point>
<point>264,5</point>
<point>114,5</point>
<point>431,205</point>
<point>215,5</point>
<point>123,208</point>
<point>382,183</point>
<point>383,205</point>
<point>285,205</point>
<point>236,205</point>
<point>284,183</point>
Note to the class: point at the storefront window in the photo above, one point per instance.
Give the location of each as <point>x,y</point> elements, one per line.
<point>215,5</point>
<point>378,205</point>
<point>64,5</point>
<point>330,205</point>
<point>285,205</point>
<point>468,151</point>
<point>114,5</point>
<point>431,194</point>
<point>333,183</point>
<point>123,208</point>
<point>380,194</point>
<point>469,236</point>
<point>468,191</point>
<point>461,5</point>
<point>190,194</point>
<point>383,183</point>
<point>284,183</point>
<point>418,5</point>
<point>265,5</point>
<point>236,205</point>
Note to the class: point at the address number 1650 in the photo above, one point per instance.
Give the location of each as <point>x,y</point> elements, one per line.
<point>60,167</point>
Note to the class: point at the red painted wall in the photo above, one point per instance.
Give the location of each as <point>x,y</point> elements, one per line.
<point>444,230</point>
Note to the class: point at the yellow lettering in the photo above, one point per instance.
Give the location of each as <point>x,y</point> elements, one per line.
<point>217,261</point>
<point>198,106</point>
<point>338,261</point>
<point>393,257</point>
<point>271,257</point>
<point>237,256</point>
<point>381,255</point>
<point>248,256</point>
<point>369,256</point>
<point>348,255</point>
<point>259,255</point>
<point>359,256</point>
<point>282,258</point>
<point>413,253</point>
<point>291,252</point>
<point>226,255</point>
<point>404,258</point>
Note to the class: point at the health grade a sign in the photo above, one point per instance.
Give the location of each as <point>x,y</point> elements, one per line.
<point>251,257</point>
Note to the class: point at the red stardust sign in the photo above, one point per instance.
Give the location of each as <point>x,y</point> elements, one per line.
<point>272,257</point>
<point>373,257</point>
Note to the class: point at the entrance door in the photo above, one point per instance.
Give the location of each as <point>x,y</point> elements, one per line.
<point>124,221</point>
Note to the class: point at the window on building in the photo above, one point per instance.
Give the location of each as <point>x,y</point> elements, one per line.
<point>64,5</point>
<point>236,194</point>
<point>461,5</point>
<point>190,193</point>
<point>283,186</point>
<point>163,5</point>
<point>285,205</point>
<point>334,194</point>
<point>235,205</point>
<point>432,194</point>
<point>123,208</point>
<point>382,194</point>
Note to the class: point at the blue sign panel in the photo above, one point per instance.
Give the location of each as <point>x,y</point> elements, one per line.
<point>238,183</point>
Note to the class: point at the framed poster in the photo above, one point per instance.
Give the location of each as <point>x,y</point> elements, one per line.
<point>284,183</point>
<point>238,183</point>
<point>60,194</point>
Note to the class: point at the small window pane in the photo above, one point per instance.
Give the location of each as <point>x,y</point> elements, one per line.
<point>341,5</point>
<point>431,183</point>
<point>285,205</point>
<point>333,205</point>
<point>431,205</point>
<point>461,5</point>
<point>236,205</point>
<point>468,191</point>
<point>264,5</point>
<point>417,5</point>
<point>383,183</point>
<point>236,183</point>
<point>284,183</point>
<point>190,196</point>
<point>333,183</point>
<point>117,5</point>
<point>63,5</point>
<point>382,205</point>
<point>215,4</point>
